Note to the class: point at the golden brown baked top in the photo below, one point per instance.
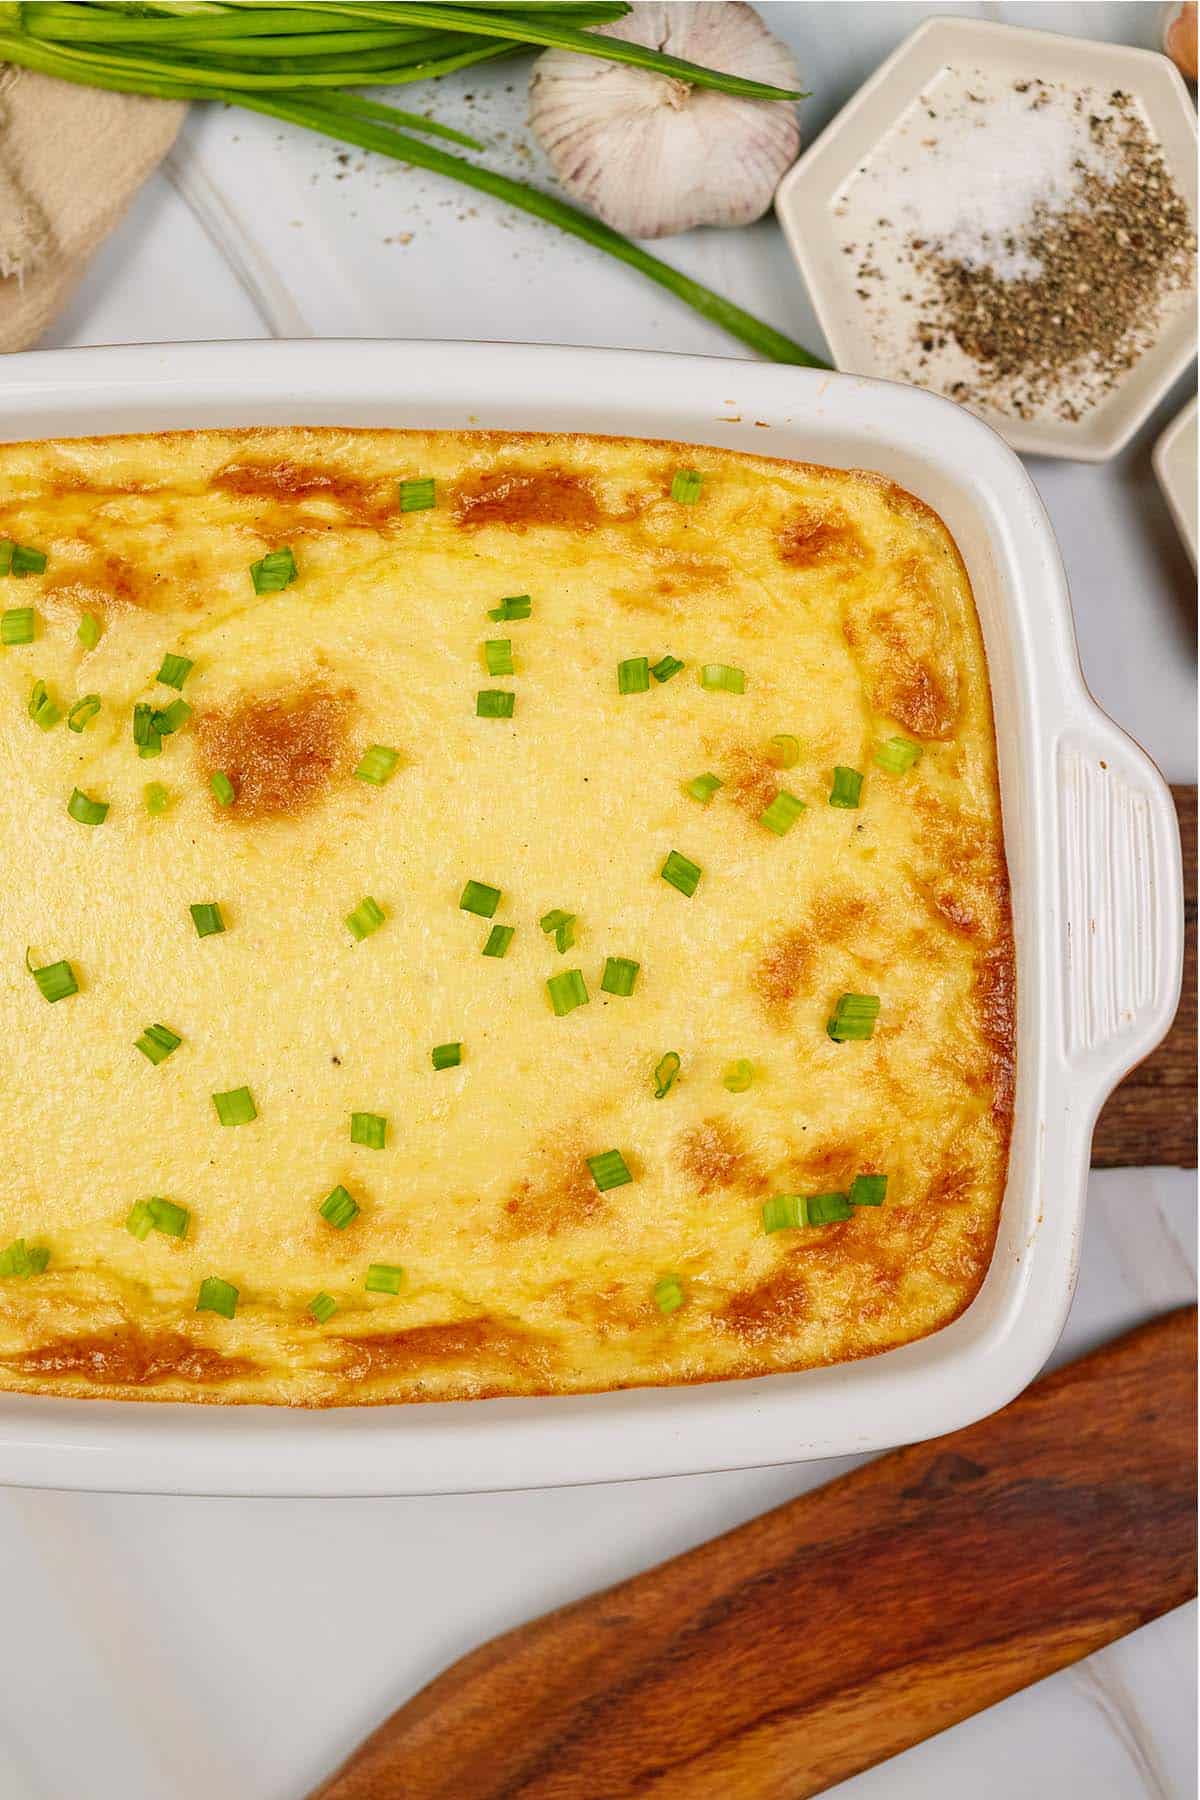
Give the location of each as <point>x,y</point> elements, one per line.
<point>835,980</point>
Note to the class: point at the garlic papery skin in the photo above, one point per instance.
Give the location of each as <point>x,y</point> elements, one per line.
<point>652,155</point>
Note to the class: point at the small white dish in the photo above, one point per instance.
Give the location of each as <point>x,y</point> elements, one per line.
<point>810,191</point>
<point>1175,464</point>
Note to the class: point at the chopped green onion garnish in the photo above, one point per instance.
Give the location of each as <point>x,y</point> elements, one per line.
<point>206,917</point>
<point>847,786</point>
<point>168,1218</point>
<point>783,1212</point>
<point>567,991</point>
<point>139,1221</point>
<point>157,1042</point>
<point>88,630</point>
<point>868,1190</point>
<point>235,1107</point>
<point>223,788</point>
<point>446,1056</point>
<point>517,606</point>
<point>479,898</point>
<point>383,1278</point>
<point>55,981</point>
<point>721,676</point>
<point>83,712</point>
<point>322,1307</point>
<point>783,750</point>
<point>827,1209</point>
<point>338,1208</point>
<point>22,1260</point>
<point>703,787</point>
<point>418,495</point>
<point>377,764</point>
<point>494,703</point>
<point>665,1074</point>
<point>273,571</point>
<point>681,873</point>
<point>782,813</point>
<point>686,485</point>
<point>609,1170</point>
<point>633,675</point>
<point>898,755</point>
<point>20,559</point>
<point>17,625</point>
<point>560,925</point>
<point>173,717</point>
<point>619,975</point>
<point>854,1017</point>
<point>367,917</point>
<point>217,1296</point>
<point>668,1294</point>
<point>147,730</point>
<point>42,709</point>
<point>175,670</point>
<point>497,654</point>
<point>499,938</point>
<point>738,1076</point>
<point>156,797</point>
<point>368,1129</point>
<point>665,668</point>
<point>87,812</point>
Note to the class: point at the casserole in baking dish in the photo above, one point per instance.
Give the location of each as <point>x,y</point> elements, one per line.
<point>531,909</point>
<point>1089,837</point>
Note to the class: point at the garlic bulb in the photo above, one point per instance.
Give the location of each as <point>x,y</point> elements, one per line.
<point>651,154</point>
<point>1179,38</point>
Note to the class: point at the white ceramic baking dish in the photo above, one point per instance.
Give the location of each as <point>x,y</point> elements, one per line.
<point>1093,852</point>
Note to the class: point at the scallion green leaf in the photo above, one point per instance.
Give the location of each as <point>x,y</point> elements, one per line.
<point>206,917</point>
<point>217,1296</point>
<point>175,670</point>
<point>847,786</point>
<point>273,572</point>
<point>703,787</point>
<point>827,1209</point>
<point>446,1056</point>
<point>157,1042</point>
<point>366,918</point>
<point>498,940</point>
<point>20,559</point>
<point>139,1222</point>
<point>897,755</point>
<point>477,897</point>
<point>378,764</point>
<point>168,1218</point>
<point>561,926</point>
<point>868,1190</point>
<point>222,788</point>
<point>738,1076</point>
<point>88,630</point>
<point>338,1208</point>
<point>516,606</point>
<point>87,812</point>
<point>384,1278</point>
<point>567,991</point>
<point>156,797</point>
<point>666,1073</point>
<point>42,710</point>
<point>17,625</point>
<point>609,1170</point>
<point>668,1294</point>
<point>783,750</point>
<point>56,981</point>
<point>172,718</point>
<point>782,813</point>
<point>147,731</point>
<point>633,675</point>
<point>21,1260</point>
<point>619,976</point>
<point>368,1129</point>
<point>854,1017</point>
<point>686,485</point>
<point>322,1307</point>
<point>418,495</point>
<point>494,703</point>
<point>497,654</point>
<point>783,1212</point>
<point>83,712</point>
<point>665,668</point>
<point>722,677</point>
<point>682,873</point>
<point>235,1106</point>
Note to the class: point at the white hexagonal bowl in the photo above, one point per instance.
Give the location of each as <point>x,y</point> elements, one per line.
<point>810,190</point>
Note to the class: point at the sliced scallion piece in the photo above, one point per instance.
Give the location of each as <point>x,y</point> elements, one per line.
<point>42,710</point>
<point>498,940</point>
<point>494,703</point>
<point>21,559</point>
<point>782,813</point>
<point>738,1076</point>
<point>446,1056</point>
<point>665,668</point>
<point>83,712</point>
<point>783,750</point>
<point>366,918</point>
<point>206,917</point>
<point>338,1208</point>
<point>847,786</point>
<point>666,1073</point>
<point>156,797</point>
<point>827,1209</point>
<point>567,991</point>
<point>620,974</point>
<point>682,873</point>
<point>561,926</point>
<point>56,981</point>
<point>378,764</point>
<point>322,1307</point>
<point>222,788</point>
<point>897,755</point>
<point>175,670</point>
<point>157,1042</point>
<point>138,1221</point>
<point>173,717</point>
<point>854,1017</point>
<point>87,812</point>
<point>20,1260</point>
<point>147,731</point>
<point>516,606</point>
<point>723,677</point>
<point>668,1294</point>
<point>88,630</point>
<point>497,654</point>
<point>368,1129</point>
<point>273,572</point>
<point>418,495</point>
<point>633,675</point>
<point>703,787</point>
<point>17,625</point>
<point>868,1190</point>
<point>686,485</point>
<point>167,1217</point>
<point>384,1278</point>
<point>217,1296</point>
<point>783,1212</point>
<point>479,898</point>
<point>235,1106</point>
<point>609,1170</point>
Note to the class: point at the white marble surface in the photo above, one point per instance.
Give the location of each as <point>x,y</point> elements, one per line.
<point>173,1649</point>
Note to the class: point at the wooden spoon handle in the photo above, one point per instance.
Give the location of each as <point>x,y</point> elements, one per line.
<point>843,1627</point>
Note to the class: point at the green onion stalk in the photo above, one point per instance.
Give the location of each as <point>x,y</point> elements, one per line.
<point>301,65</point>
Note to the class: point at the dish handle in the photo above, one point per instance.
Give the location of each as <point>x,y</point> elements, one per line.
<point>1121,901</point>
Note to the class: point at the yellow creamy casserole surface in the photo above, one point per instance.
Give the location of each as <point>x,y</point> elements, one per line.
<point>843,603</point>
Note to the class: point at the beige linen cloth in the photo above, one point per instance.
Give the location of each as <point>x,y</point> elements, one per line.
<point>71,159</point>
